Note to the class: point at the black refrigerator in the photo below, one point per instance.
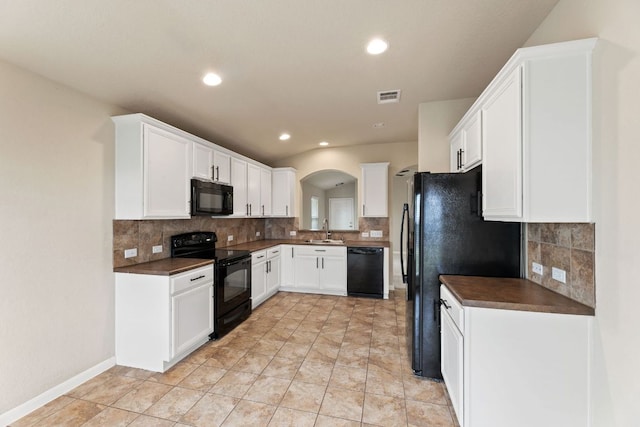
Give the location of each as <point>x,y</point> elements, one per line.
<point>447,235</point>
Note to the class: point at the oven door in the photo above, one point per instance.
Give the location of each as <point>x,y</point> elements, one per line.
<point>233,284</point>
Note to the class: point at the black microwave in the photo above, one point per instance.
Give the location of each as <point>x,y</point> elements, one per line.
<point>211,198</point>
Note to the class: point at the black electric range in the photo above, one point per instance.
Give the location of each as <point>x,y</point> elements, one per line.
<point>232,277</point>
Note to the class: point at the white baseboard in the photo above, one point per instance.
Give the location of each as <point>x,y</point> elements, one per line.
<point>55,392</point>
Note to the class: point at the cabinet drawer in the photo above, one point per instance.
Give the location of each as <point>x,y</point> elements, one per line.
<point>191,278</point>
<point>322,250</point>
<point>453,307</point>
<point>273,252</point>
<point>259,256</point>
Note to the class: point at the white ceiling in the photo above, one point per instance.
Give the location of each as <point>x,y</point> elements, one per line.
<point>287,65</point>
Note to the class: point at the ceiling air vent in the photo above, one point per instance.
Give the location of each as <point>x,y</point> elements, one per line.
<point>388,96</point>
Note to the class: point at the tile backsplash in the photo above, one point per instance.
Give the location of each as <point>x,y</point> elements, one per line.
<point>570,247</point>
<point>144,234</point>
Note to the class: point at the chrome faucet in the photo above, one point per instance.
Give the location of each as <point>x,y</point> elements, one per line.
<point>325,227</point>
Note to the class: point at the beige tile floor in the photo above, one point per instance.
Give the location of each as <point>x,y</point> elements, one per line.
<point>299,360</point>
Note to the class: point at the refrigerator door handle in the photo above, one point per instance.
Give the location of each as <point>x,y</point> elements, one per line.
<point>405,214</point>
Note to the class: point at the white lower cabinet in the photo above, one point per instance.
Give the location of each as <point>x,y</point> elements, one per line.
<point>507,368</point>
<point>287,273</point>
<point>258,278</point>
<point>320,269</point>
<point>265,275</point>
<point>161,319</point>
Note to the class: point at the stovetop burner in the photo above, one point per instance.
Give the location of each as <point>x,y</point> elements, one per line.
<point>202,244</point>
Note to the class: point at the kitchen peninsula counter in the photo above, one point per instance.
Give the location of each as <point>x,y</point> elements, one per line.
<point>511,294</point>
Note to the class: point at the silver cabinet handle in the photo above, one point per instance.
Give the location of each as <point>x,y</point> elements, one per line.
<point>259,257</point>
<point>262,210</point>
<point>286,210</point>
<point>197,278</point>
<point>323,263</point>
<point>292,252</point>
<point>316,262</point>
<point>362,210</point>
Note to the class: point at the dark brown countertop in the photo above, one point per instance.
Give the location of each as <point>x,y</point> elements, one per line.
<point>259,245</point>
<point>511,294</point>
<point>164,267</point>
<point>169,266</point>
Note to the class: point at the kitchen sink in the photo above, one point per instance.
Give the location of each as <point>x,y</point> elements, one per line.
<point>325,241</point>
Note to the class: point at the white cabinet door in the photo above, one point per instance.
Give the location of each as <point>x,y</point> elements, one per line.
<point>253,189</point>
<point>202,161</point>
<point>265,192</point>
<point>287,274</point>
<point>258,277</point>
<point>283,192</point>
<point>306,271</point>
<point>192,318</point>
<point>502,149</point>
<point>239,183</point>
<point>333,273</point>
<point>455,157</point>
<point>452,360</point>
<point>221,167</point>
<point>167,173</point>
<point>273,275</point>
<point>374,189</point>
<point>472,151</point>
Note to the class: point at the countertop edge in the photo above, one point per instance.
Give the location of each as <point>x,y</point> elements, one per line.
<point>164,267</point>
<point>560,303</point>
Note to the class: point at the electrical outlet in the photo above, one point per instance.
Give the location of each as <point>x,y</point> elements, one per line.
<point>230,238</point>
<point>537,268</point>
<point>365,234</point>
<point>376,233</point>
<point>156,249</point>
<point>293,233</point>
<point>559,275</point>
<point>130,253</point>
<point>257,234</point>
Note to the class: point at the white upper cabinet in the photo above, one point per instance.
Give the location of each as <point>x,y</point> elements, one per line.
<point>221,167</point>
<point>202,161</point>
<point>284,192</point>
<point>251,189</point>
<point>153,170</point>
<point>239,183</point>
<point>265,192</point>
<point>375,187</point>
<point>502,174</point>
<point>466,144</point>
<point>535,127</point>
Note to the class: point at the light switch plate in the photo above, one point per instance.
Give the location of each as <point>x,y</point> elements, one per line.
<point>537,268</point>
<point>293,233</point>
<point>230,238</point>
<point>376,233</point>
<point>559,275</point>
<point>130,253</point>
<point>156,249</point>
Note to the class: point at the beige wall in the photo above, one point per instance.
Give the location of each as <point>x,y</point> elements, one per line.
<point>435,121</point>
<point>616,378</point>
<point>57,192</point>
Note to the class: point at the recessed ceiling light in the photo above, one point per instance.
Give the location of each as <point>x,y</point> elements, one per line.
<point>377,46</point>
<point>323,144</point>
<point>284,137</point>
<point>378,125</point>
<point>212,79</point>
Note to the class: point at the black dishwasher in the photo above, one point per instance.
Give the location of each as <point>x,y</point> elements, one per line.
<point>365,272</point>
